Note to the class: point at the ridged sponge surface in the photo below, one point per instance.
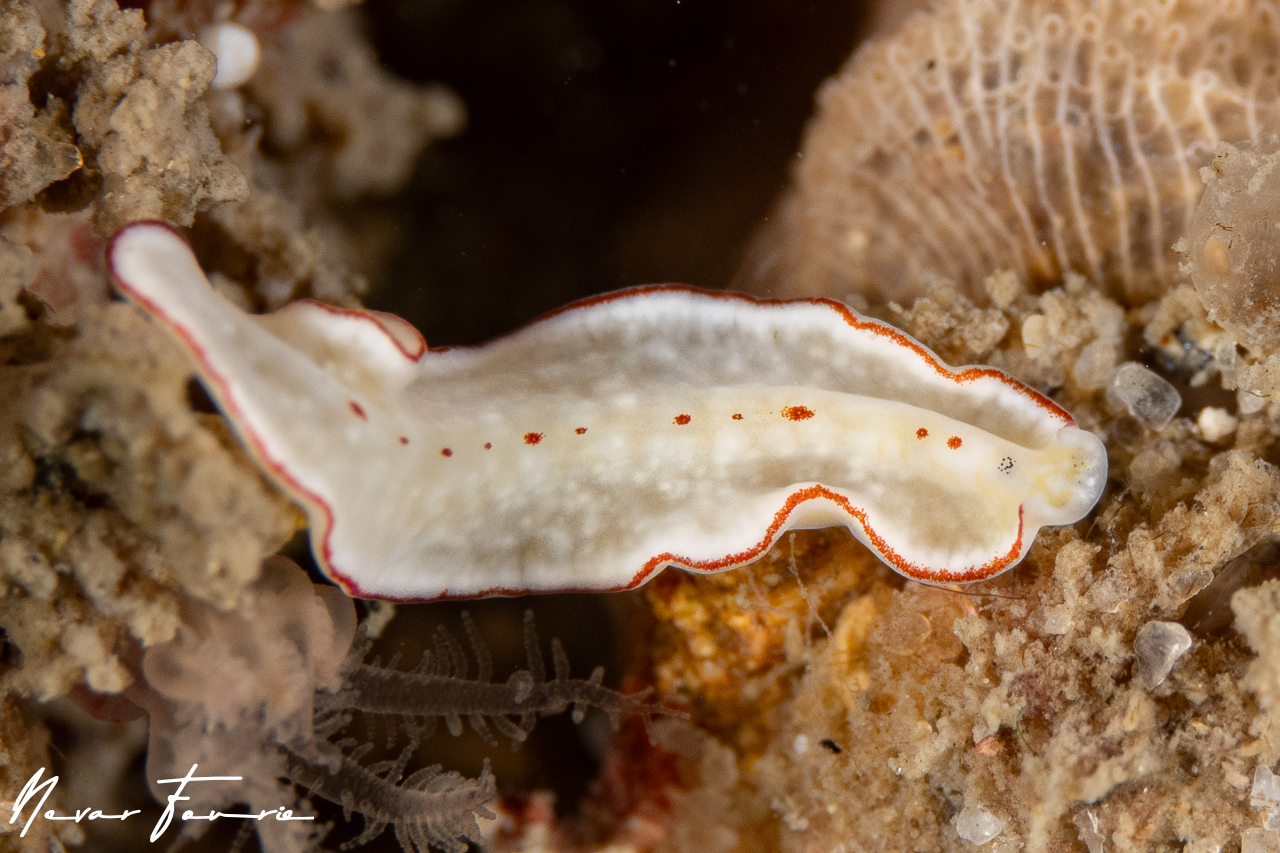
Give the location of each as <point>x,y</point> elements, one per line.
<point>1036,137</point>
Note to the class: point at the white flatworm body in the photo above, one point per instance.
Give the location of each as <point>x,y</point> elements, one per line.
<point>640,429</point>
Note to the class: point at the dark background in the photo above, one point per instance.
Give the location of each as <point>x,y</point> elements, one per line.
<point>610,143</point>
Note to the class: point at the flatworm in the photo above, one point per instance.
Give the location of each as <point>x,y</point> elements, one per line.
<point>324,398</point>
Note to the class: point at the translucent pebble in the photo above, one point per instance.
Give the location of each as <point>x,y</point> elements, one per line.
<point>1108,594</point>
<point>1216,424</point>
<point>1158,646</point>
<point>237,51</point>
<point>1057,620</point>
<point>1227,360</point>
<point>1087,828</point>
<point>1248,402</point>
<point>977,825</point>
<point>1265,793</point>
<point>1256,840</point>
<point>1149,398</point>
<point>1094,366</point>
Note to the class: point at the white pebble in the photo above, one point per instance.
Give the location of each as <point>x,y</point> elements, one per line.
<point>1148,397</point>
<point>1035,334</point>
<point>237,51</point>
<point>977,825</point>
<point>1216,424</point>
<point>800,745</point>
<point>1158,647</point>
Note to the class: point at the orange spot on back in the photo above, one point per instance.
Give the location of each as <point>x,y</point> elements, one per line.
<point>922,433</point>
<point>580,430</point>
<point>954,442</point>
<point>797,413</point>
<point>404,439</point>
<point>359,412</point>
<point>488,446</point>
<point>737,416</point>
<point>532,437</point>
<point>444,451</point>
<point>683,419</point>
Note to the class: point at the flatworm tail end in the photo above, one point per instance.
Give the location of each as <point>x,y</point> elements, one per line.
<point>153,266</point>
<point>141,256</point>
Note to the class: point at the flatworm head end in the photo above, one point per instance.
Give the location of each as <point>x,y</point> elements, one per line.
<point>1074,484</point>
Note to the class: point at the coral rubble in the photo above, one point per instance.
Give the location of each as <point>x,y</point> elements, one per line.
<point>126,509</point>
